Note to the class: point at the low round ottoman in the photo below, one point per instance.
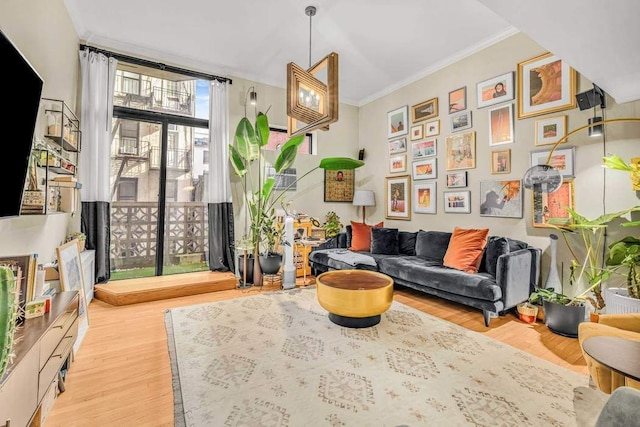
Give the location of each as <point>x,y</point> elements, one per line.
<point>354,298</point>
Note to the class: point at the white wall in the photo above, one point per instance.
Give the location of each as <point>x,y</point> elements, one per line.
<point>491,62</point>
<point>340,141</point>
<point>43,32</point>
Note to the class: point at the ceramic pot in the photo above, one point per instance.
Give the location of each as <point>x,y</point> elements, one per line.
<point>249,269</point>
<point>563,319</point>
<point>618,301</point>
<point>270,263</point>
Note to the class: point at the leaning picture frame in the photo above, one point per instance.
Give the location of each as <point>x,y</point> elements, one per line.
<point>424,196</point>
<point>72,279</point>
<point>397,122</point>
<point>550,130</point>
<point>424,110</point>
<point>398,197</point>
<point>549,209</point>
<point>495,90</point>
<point>562,159</point>
<point>546,84</point>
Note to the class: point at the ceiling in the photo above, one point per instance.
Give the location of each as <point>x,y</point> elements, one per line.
<point>382,45</point>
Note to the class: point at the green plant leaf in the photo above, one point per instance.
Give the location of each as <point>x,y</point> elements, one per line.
<point>288,153</point>
<point>336,163</point>
<point>265,193</point>
<point>236,161</point>
<point>615,162</point>
<point>248,147</point>
<point>262,129</point>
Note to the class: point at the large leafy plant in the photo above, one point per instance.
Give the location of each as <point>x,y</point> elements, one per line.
<point>260,197</point>
<point>626,253</point>
<point>589,269</point>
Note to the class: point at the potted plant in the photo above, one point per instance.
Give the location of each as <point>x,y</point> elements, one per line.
<point>332,224</point>
<point>271,234</point>
<point>80,236</point>
<point>625,253</point>
<point>562,313</point>
<point>259,196</point>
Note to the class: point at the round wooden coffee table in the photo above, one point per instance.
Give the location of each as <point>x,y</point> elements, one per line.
<point>354,298</point>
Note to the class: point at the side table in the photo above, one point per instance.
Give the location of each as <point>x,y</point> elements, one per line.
<point>618,354</point>
<point>307,245</point>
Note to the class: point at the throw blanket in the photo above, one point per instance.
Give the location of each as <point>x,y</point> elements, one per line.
<point>349,257</point>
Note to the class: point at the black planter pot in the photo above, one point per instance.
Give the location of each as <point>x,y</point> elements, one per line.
<point>249,270</point>
<point>270,263</point>
<point>563,319</point>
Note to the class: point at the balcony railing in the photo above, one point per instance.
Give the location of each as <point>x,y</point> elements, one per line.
<point>178,158</point>
<point>172,101</point>
<point>133,233</point>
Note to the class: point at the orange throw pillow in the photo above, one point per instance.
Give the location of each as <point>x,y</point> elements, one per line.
<point>465,249</point>
<point>361,236</point>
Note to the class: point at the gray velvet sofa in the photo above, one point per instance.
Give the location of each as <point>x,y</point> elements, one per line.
<point>509,270</point>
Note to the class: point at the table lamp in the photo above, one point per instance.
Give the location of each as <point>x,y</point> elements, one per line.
<point>364,198</point>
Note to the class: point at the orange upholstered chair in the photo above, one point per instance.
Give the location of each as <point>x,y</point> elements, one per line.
<point>614,325</point>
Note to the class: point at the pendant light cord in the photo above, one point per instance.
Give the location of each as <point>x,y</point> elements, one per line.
<point>310,19</point>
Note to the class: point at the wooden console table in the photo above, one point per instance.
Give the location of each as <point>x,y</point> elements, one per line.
<point>42,346</point>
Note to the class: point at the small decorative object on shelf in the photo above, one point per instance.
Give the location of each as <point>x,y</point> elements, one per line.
<point>80,237</point>
<point>62,125</point>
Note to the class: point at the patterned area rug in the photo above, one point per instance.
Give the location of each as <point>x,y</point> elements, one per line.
<point>275,359</point>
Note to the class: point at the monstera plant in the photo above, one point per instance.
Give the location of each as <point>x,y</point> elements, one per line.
<point>260,197</point>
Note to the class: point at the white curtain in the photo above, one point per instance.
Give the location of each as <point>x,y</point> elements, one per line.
<point>98,78</point>
<point>94,171</point>
<point>221,230</point>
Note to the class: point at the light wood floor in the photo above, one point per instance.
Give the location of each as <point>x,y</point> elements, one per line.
<point>121,374</point>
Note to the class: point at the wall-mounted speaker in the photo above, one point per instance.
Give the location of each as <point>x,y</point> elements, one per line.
<point>361,154</point>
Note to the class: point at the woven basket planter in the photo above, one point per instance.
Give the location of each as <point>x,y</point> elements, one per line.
<point>527,312</point>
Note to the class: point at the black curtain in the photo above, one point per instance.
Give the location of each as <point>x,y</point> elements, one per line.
<point>96,225</point>
<point>221,240</point>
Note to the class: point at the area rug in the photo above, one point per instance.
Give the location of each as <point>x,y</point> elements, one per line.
<point>275,359</point>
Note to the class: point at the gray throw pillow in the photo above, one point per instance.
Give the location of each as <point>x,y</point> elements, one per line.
<point>496,246</point>
<point>384,241</point>
<point>407,242</point>
<point>432,244</point>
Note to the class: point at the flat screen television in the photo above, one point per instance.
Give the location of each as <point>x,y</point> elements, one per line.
<point>18,115</point>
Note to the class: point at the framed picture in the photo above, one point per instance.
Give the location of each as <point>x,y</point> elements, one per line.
<point>397,122</point>
<point>24,270</point>
<point>416,132</point>
<point>545,84</point>
<point>398,197</point>
<point>425,169</point>
<point>425,148</point>
<point>501,198</point>
<point>458,100</point>
<point>460,121</point>
<point>457,179</point>
<point>338,185</point>
<point>398,146</point>
<point>550,208</point>
<point>398,163</point>
<point>457,201</point>
<point>562,159</point>
<point>550,129</point>
<point>424,110</point>
<point>501,125</point>
<point>461,151</point>
<point>71,274</point>
<point>501,161</point>
<point>432,128</point>
<point>424,195</point>
<point>496,90</point>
